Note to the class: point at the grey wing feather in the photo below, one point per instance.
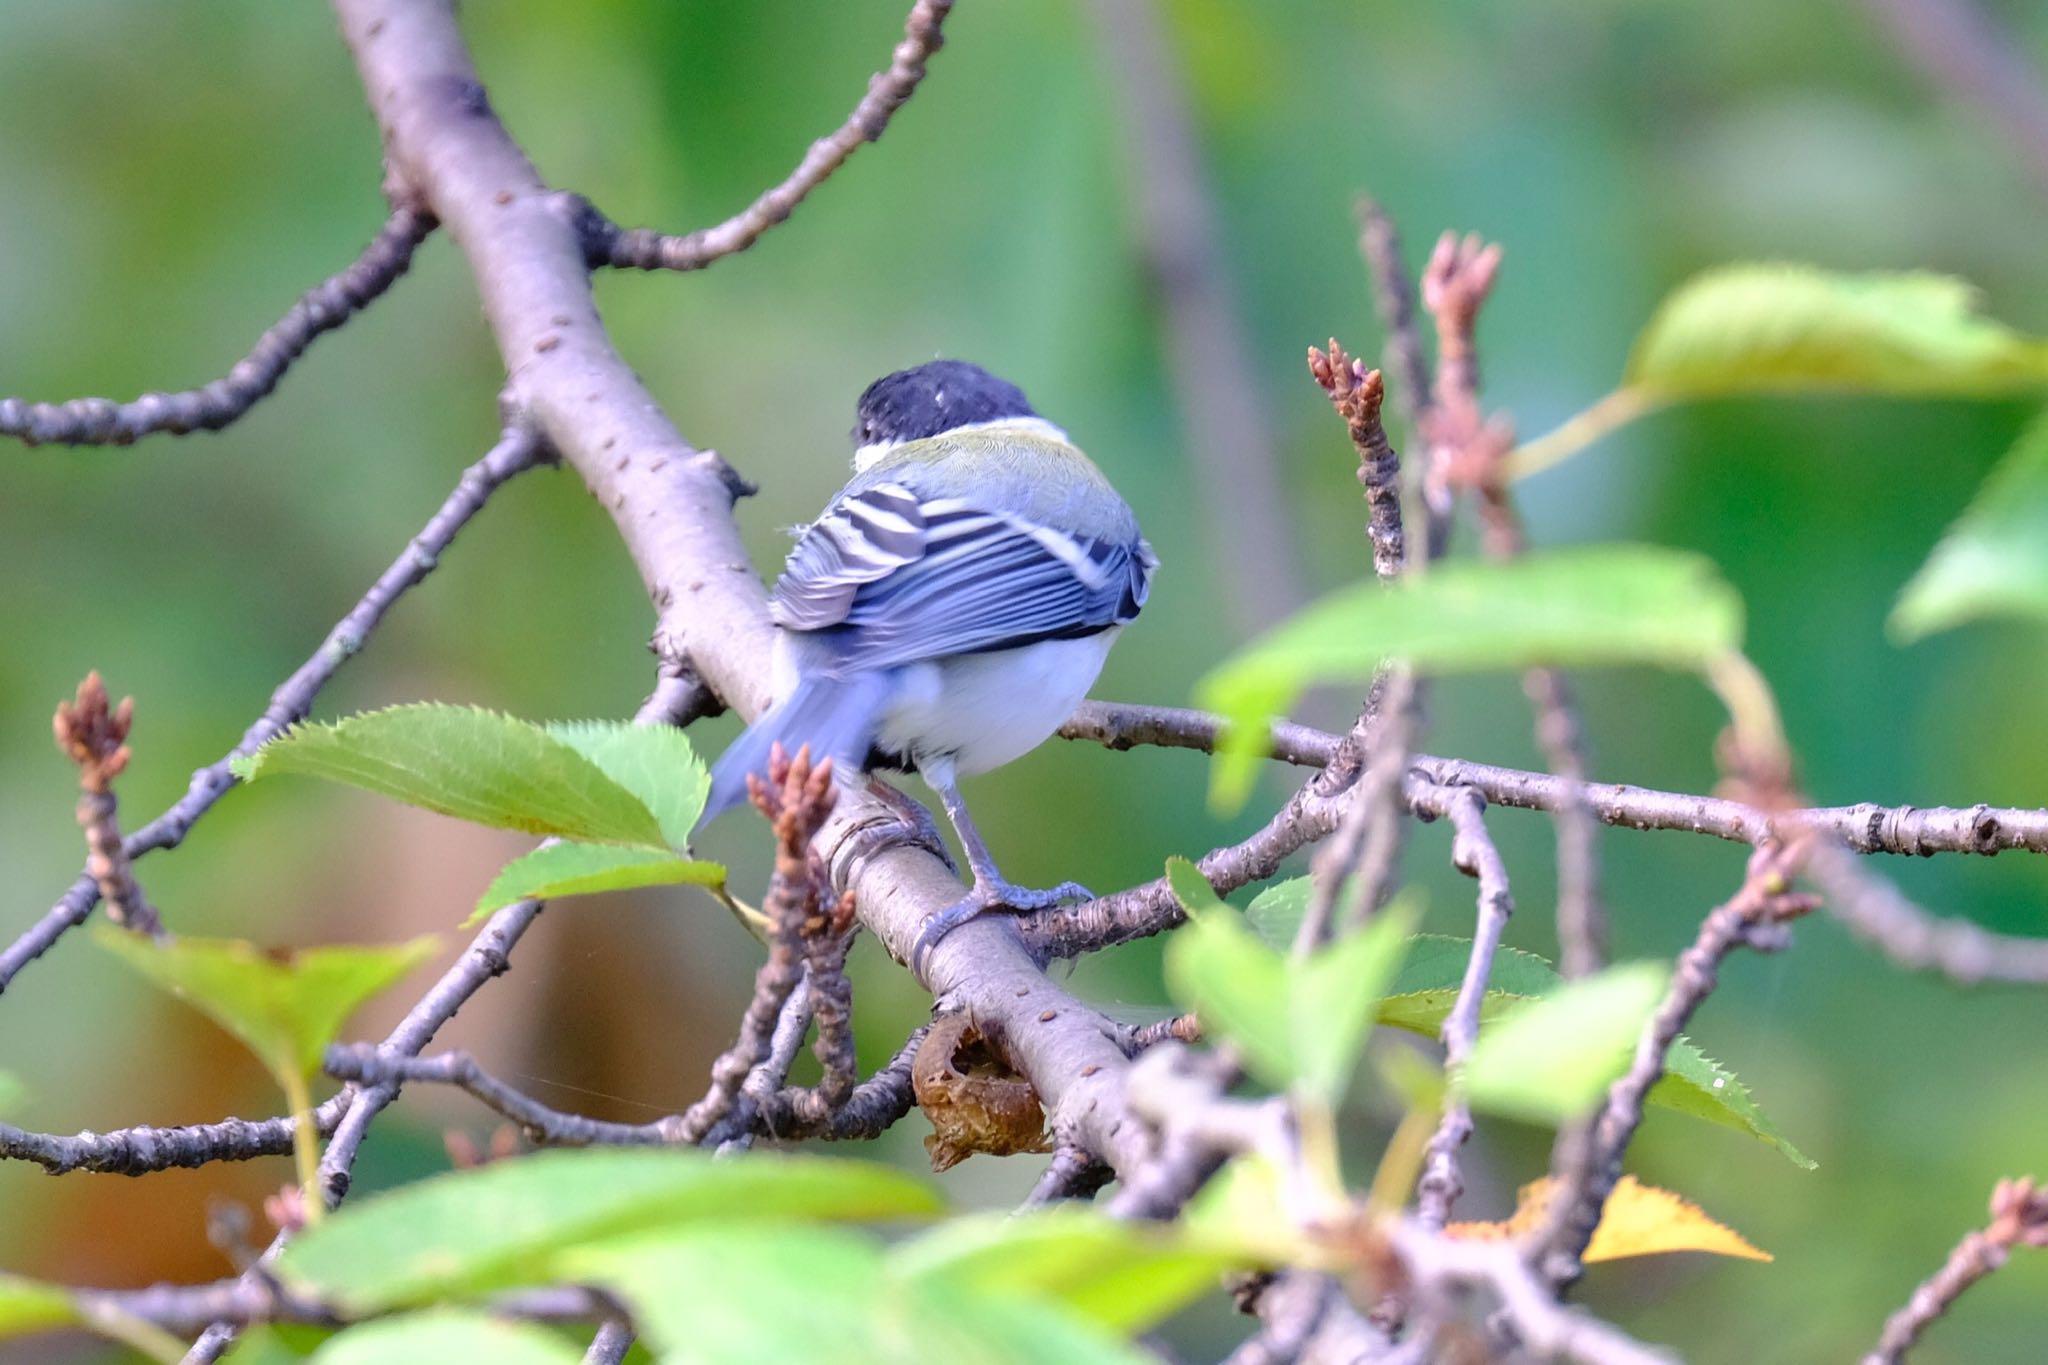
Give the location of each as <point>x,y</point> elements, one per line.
<point>885,580</point>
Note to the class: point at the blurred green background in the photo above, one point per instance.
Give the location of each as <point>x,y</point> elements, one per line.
<point>178,174</point>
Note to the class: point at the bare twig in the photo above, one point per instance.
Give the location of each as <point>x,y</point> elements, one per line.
<point>102,421</point>
<point>797,799</point>
<point>1073,1174</point>
<point>648,249</point>
<point>142,1150</point>
<point>1357,392</point>
<point>1394,295</point>
<point>95,737</point>
<point>2019,1217</point>
<point>1473,853</point>
<point>614,1338</point>
<point>1223,423</point>
<point>1181,1028</point>
<point>1754,917</point>
<point>514,452</point>
<point>1878,912</point>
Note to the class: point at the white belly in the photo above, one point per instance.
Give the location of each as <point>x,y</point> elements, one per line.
<point>988,709</point>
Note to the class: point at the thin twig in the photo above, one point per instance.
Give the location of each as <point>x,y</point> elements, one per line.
<point>329,304</point>
<point>1357,392</point>
<point>2019,1217</point>
<point>1755,917</point>
<point>94,736</point>
<point>649,249</point>
<point>515,451</point>
<point>1879,913</point>
<point>1073,1174</point>
<point>1473,853</point>
<point>1394,295</point>
<point>614,1338</point>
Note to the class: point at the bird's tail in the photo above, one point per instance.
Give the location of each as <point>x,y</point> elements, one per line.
<point>836,717</point>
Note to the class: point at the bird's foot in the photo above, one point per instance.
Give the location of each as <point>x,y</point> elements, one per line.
<point>990,893</point>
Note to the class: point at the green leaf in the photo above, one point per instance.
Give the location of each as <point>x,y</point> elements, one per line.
<point>28,1306</point>
<point>475,765</point>
<point>1595,605</point>
<point>1276,913</point>
<point>278,1343</point>
<point>1126,1276</point>
<point>735,1294</point>
<point>1439,960</point>
<point>444,1335</point>
<point>500,1224</point>
<point>657,763</point>
<point>1190,887</point>
<point>285,1010</point>
<point>1301,1023</point>
<point>1994,560</point>
<point>1550,1060</point>
<point>743,1292</point>
<point>1694,1083</point>
<point>572,869</point>
<point>1751,328</point>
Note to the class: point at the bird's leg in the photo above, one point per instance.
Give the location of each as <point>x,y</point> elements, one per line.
<point>922,831</point>
<point>990,891</point>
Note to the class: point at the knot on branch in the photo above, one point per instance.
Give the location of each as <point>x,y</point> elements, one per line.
<point>975,1100</point>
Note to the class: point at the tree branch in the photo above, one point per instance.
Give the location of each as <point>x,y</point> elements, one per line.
<point>2019,1217</point>
<point>649,249</point>
<point>326,306</point>
<point>1473,853</point>
<point>1755,917</point>
<point>515,451</point>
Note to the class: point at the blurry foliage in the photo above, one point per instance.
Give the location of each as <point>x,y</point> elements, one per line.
<point>180,174</point>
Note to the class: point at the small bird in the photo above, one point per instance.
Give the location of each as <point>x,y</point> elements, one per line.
<point>951,606</point>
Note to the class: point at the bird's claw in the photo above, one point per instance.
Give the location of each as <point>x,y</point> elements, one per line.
<point>989,894</point>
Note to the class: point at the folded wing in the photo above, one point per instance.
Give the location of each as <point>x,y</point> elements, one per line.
<point>885,578</point>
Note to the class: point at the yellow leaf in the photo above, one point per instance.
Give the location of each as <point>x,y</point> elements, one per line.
<point>1639,1220</point>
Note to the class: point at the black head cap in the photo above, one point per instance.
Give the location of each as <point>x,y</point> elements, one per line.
<point>942,396</point>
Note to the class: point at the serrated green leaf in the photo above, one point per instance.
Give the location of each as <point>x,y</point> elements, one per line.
<point>1301,1023</point>
<point>1190,887</point>
<point>1595,605</point>
<point>1437,960</point>
<point>443,1335</point>
<point>573,869</point>
<point>472,764</point>
<point>1551,1060</point>
<point>1751,328</point>
<point>500,1225</point>
<point>1994,560</point>
<point>1126,1276</point>
<point>1694,1083</point>
<point>657,763</point>
<point>28,1306</point>
<point>284,1009</point>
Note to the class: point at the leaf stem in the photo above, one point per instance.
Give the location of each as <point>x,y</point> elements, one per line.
<point>305,1142</point>
<point>1617,409</point>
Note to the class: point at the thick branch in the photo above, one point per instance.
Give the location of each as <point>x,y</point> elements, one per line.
<point>326,306</point>
<point>648,249</point>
